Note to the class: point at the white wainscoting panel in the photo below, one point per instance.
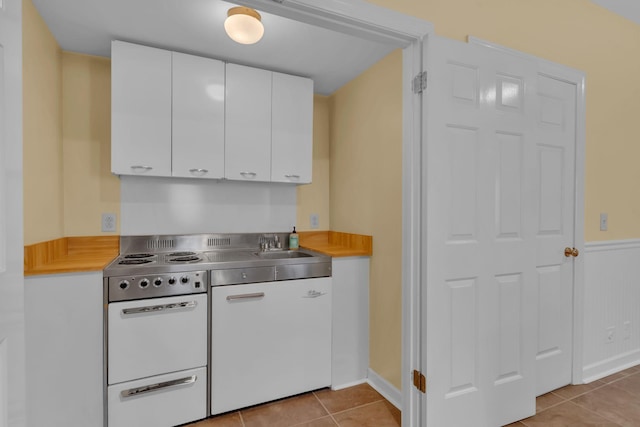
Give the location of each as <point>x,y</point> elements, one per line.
<point>611,307</point>
<point>182,206</point>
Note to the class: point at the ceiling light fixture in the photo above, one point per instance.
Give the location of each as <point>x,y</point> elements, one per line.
<point>244,25</point>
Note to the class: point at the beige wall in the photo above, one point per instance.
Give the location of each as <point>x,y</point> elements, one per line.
<point>89,187</point>
<point>366,194</point>
<point>585,36</point>
<point>314,198</point>
<point>42,122</point>
<point>67,125</point>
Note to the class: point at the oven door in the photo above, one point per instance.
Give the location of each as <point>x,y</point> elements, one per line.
<point>156,336</point>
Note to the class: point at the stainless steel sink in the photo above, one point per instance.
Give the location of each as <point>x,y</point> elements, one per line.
<point>282,254</point>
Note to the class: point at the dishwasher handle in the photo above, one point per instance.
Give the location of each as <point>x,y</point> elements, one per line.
<point>255,295</point>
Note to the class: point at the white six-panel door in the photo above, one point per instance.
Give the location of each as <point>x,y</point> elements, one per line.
<point>555,153</point>
<point>480,244</point>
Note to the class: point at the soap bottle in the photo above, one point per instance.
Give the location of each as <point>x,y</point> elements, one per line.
<point>293,240</point>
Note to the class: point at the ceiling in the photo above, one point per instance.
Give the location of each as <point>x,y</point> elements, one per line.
<point>630,9</point>
<point>328,57</point>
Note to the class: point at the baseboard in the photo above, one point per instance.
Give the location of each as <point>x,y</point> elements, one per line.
<point>610,366</point>
<point>347,385</point>
<point>385,388</point>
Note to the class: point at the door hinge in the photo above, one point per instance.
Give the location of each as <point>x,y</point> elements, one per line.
<point>419,83</point>
<point>419,381</point>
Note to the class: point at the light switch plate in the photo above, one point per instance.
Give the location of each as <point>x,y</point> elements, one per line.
<point>604,221</point>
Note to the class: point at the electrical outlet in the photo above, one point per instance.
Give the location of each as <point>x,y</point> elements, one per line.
<point>626,330</point>
<point>610,335</point>
<point>314,219</point>
<point>604,221</point>
<point>108,222</point>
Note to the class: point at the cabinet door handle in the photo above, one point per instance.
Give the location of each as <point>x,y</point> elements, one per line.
<point>158,386</point>
<point>249,175</point>
<point>157,308</point>
<point>292,177</point>
<point>246,296</point>
<point>198,172</point>
<point>141,168</point>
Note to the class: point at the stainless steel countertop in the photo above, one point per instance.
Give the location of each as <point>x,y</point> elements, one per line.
<point>217,260</point>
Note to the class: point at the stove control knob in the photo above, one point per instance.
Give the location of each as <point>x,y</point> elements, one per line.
<point>172,280</point>
<point>184,280</point>
<point>157,282</point>
<point>124,285</point>
<point>144,283</point>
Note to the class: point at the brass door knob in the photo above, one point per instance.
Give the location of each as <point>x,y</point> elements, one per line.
<point>571,252</point>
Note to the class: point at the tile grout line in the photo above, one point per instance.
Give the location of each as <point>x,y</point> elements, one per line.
<point>573,403</point>
<point>360,406</point>
<point>595,413</point>
<point>325,408</point>
<point>241,419</point>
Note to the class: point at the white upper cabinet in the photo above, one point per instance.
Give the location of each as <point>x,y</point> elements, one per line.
<point>140,110</point>
<point>248,124</point>
<point>186,116</point>
<point>292,129</point>
<point>198,117</point>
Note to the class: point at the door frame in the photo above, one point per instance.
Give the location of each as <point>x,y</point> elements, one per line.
<point>576,77</point>
<point>13,398</point>
<point>363,19</point>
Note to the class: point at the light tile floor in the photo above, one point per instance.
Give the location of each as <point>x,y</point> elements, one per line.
<point>613,401</point>
<point>355,406</point>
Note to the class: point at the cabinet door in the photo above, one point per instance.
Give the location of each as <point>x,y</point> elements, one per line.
<point>292,129</point>
<point>269,340</point>
<point>64,349</point>
<point>140,110</point>
<point>248,123</point>
<point>198,117</point>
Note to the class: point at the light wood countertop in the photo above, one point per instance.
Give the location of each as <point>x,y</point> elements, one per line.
<point>70,255</point>
<point>337,244</point>
<point>81,254</point>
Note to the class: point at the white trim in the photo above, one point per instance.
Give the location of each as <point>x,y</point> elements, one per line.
<point>386,389</point>
<point>612,245</point>
<point>577,77</point>
<point>413,62</point>
<point>347,385</point>
<point>610,366</point>
<point>355,17</point>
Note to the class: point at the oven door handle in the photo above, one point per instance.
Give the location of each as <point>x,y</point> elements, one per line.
<point>161,307</point>
<point>159,386</point>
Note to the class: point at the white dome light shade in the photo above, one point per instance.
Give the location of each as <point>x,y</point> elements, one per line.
<point>244,25</point>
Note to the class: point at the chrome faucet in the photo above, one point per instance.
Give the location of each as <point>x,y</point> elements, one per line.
<point>271,244</point>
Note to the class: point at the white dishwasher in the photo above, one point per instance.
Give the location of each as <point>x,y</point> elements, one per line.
<point>268,341</point>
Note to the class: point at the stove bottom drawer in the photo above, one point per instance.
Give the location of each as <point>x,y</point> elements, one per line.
<point>160,401</point>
